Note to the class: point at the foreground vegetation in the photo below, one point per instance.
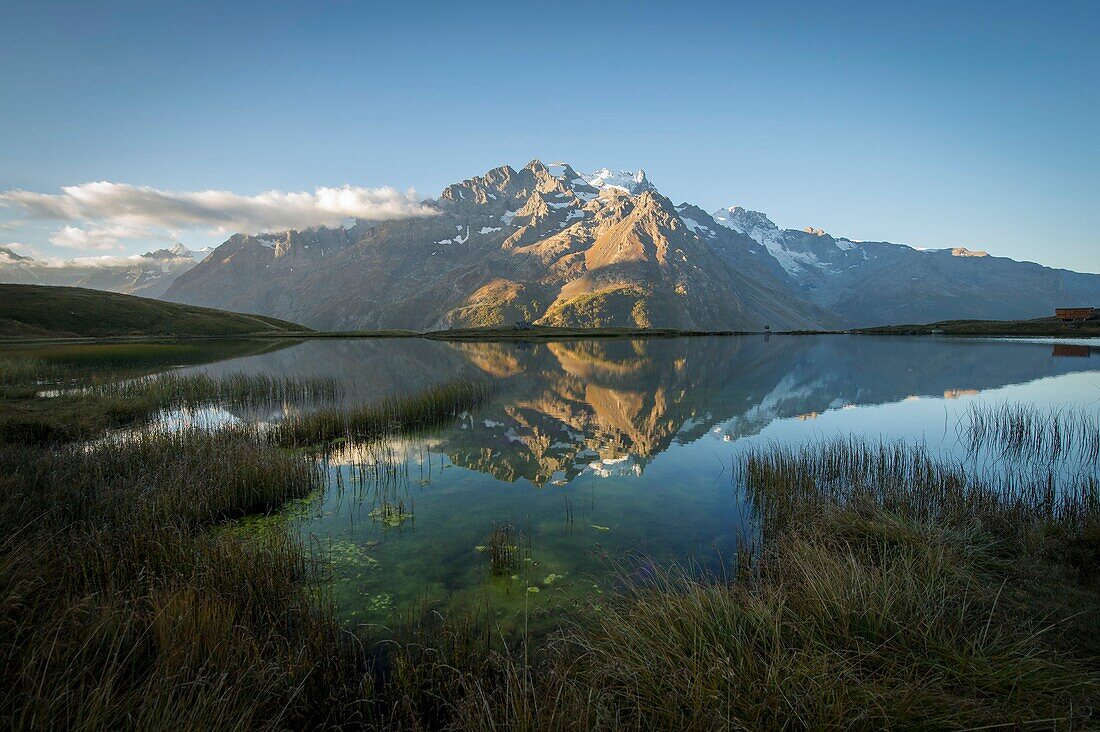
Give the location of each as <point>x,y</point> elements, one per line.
<point>418,412</point>
<point>881,588</point>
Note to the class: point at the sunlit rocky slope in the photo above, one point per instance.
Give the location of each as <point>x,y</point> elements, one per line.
<point>549,245</point>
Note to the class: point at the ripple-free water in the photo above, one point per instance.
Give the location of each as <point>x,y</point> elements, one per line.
<point>596,449</point>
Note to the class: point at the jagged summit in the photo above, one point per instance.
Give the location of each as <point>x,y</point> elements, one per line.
<point>742,219</point>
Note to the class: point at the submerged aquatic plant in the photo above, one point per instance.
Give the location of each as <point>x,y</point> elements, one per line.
<point>390,514</point>
<point>504,549</point>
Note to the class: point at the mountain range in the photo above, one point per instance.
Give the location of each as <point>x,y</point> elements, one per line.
<point>548,245</point>
<point>148,274</point>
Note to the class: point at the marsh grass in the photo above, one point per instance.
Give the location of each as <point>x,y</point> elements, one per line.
<point>885,589</point>
<point>173,390</point>
<point>1025,431</point>
<point>120,609</point>
<point>17,370</point>
<point>406,414</point>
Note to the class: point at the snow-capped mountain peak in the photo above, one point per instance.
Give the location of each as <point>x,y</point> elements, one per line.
<point>631,182</point>
<point>743,220</point>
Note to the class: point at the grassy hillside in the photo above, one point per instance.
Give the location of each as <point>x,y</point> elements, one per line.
<point>38,311</point>
<point>1036,327</point>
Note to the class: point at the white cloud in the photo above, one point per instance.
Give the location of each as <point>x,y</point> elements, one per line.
<point>125,205</point>
<point>104,260</point>
<point>102,237</point>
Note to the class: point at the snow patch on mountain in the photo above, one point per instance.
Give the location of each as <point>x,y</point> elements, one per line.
<point>624,180</point>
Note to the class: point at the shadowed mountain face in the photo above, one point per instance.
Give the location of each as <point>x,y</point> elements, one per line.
<point>872,283</point>
<point>610,407</point>
<point>549,245</point>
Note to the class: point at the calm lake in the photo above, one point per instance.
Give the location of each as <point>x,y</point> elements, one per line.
<point>600,450</point>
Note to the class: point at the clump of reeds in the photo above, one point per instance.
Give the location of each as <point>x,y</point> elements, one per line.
<point>504,549</point>
<point>403,414</point>
<point>18,370</point>
<point>887,589</point>
<point>908,482</point>
<point>121,608</point>
<point>1027,431</point>
<point>173,390</point>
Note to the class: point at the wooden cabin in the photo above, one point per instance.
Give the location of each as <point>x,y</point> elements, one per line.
<point>1069,314</point>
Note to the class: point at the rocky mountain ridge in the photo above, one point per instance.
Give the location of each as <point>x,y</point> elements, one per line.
<point>549,245</point>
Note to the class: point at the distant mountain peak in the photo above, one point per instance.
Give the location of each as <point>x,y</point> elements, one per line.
<point>176,251</point>
<point>743,220</point>
<point>964,252</point>
<point>11,256</point>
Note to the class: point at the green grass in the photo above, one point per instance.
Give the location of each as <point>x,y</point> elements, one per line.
<point>29,371</point>
<point>38,311</point>
<point>88,406</point>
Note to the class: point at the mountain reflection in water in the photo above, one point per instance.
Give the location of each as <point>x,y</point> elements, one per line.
<point>600,449</point>
<point>611,406</point>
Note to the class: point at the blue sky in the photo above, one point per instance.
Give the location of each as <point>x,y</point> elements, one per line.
<point>931,124</point>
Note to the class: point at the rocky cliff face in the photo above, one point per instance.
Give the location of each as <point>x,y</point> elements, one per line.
<point>549,245</point>
<point>542,244</point>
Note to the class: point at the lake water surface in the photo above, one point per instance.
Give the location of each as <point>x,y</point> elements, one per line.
<point>594,450</point>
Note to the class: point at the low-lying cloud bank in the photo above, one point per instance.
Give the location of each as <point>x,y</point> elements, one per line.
<point>97,261</point>
<point>106,213</point>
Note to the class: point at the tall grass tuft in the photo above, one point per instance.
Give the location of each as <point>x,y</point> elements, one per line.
<point>887,589</point>
<point>1025,431</point>
<point>28,371</point>
<point>420,411</point>
<point>172,390</point>
<point>120,607</point>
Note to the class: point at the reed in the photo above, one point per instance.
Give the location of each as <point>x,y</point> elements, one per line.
<point>121,608</point>
<point>173,390</point>
<point>18,370</point>
<point>886,589</point>
<point>405,414</point>
<point>1025,431</point>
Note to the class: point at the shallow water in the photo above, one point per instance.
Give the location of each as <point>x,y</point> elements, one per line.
<point>598,449</point>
